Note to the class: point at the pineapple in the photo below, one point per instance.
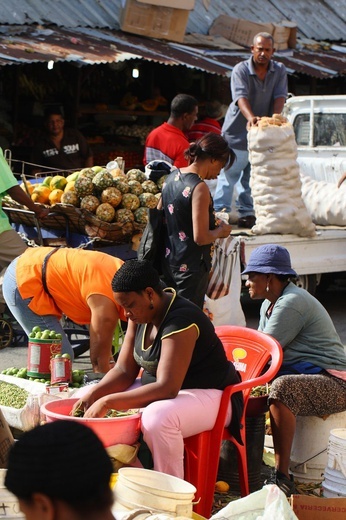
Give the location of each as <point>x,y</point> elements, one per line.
<point>112,196</point>
<point>135,187</point>
<point>161,181</point>
<point>148,200</point>
<point>150,187</point>
<point>141,215</point>
<point>136,175</point>
<point>124,215</point>
<point>83,186</point>
<point>105,212</point>
<point>87,172</point>
<point>121,184</point>
<point>90,202</point>
<point>70,197</point>
<point>103,180</point>
<point>130,201</point>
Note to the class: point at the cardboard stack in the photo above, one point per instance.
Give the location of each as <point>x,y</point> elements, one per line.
<point>306,507</point>
<point>242,31</point>
<point>166,19</point>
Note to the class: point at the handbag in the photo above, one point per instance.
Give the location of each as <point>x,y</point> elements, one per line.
<point>152,244</point>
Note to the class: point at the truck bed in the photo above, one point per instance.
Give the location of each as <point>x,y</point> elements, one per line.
<point>324,253</point>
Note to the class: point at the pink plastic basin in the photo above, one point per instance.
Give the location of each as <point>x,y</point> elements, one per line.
<point>113,430</point>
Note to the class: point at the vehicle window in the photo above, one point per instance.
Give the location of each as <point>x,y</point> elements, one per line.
<point>329,129</point>
<point>301,127</point>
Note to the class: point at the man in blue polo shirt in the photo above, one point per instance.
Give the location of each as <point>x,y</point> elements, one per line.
<point>258,88</point>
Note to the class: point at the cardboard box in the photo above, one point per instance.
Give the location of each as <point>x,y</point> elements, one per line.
<point>6,440</point>
<point>166,19</point>
<point>243,31</point>
<point>306,507</point>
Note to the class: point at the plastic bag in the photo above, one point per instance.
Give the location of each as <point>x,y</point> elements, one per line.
<point>222,301</point>
<point>266,504</point>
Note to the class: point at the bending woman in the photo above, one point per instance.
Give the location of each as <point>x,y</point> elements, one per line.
<point>184,366</point>
<point>312,379</point>
<point>190,219</point>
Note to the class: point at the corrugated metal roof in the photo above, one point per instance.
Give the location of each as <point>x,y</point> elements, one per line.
<point>82,31</point>
<point>27,44</point>
<point>319,20</point>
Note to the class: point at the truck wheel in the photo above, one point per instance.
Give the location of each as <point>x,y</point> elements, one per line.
<point>307,282</point>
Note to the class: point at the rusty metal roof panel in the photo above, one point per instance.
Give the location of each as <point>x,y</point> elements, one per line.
<point>319,20</point>
<point>64,13</point>
<point>25,44</point>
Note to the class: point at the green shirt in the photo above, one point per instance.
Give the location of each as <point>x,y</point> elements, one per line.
<point>304,329</point>
<point>7,181</point>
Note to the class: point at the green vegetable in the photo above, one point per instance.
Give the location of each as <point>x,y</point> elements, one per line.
<point>12,395</point>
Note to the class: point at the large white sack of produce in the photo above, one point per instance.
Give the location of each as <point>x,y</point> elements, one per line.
<point>325,202</point>
<point>275,179</point>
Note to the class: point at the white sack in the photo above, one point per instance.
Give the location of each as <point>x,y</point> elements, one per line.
<point>275,179</point>
<point>325,202</point>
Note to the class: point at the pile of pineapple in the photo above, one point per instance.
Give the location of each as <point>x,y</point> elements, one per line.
<point>111,195</point>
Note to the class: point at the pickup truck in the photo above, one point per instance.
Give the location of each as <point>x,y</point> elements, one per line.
<point>319,123</point>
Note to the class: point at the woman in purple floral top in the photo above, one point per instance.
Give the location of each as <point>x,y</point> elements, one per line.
<point>190,220</point>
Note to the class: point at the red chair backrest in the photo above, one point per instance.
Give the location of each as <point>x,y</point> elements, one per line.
<point>250,350</point>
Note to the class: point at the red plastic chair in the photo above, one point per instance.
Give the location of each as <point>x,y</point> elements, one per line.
<point>250,350</point>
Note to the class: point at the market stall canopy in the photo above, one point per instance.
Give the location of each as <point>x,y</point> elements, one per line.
<point>21,44</point>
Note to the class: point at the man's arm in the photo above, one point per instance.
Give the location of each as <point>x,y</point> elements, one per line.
<point>278,105</point>
<point>21,197</point>
<point>245,109</point>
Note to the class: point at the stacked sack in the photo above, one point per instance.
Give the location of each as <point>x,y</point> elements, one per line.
<point>275,179</point>
<point>325,202</point>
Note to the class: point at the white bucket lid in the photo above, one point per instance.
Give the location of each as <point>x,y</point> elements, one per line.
<point>340,433</point>
<point>156,482</point>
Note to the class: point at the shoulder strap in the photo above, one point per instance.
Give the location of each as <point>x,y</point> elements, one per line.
<point>44,269</point>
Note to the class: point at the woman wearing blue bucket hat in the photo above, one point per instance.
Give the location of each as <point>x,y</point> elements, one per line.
<point>312,378</point>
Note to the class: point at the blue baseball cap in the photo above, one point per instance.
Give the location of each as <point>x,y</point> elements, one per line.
<point>270,258</point>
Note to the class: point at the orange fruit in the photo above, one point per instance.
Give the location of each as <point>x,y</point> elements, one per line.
<point>221,487</point>
<point>41,194</point>
<point>55,196</point>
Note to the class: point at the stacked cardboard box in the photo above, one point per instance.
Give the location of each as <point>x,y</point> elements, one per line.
<point>307,507</point>
<point>242,31</point>
<point>166,19</point>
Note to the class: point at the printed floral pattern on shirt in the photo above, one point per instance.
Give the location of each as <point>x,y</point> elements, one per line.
<point>186,191</point>
<point>183,268</point>
<point>170,208</point>
<point>182,236</point>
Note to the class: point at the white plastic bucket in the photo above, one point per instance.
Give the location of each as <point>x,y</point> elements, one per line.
<point>334,484</point>
<point>337,450</point>
<point>309,449</point>
<point>9,504</point>
<point>142,488</point>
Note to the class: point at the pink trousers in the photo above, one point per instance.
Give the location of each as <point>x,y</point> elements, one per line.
<point>166,423</point>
